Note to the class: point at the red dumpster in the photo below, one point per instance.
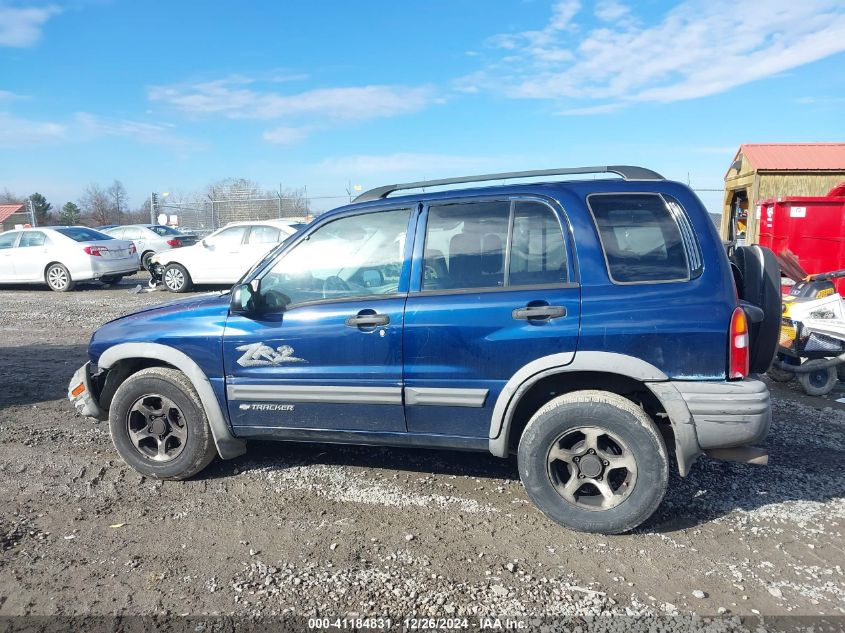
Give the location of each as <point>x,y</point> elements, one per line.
<point>812,228</point>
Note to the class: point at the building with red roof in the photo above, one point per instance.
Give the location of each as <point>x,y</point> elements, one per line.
<point>11,215</point>
<point>776,170</point>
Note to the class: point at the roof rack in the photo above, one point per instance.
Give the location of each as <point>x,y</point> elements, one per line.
<point>628,172</point>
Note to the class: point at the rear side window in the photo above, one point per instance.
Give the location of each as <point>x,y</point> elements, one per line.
<point>32,238</point>
<point>465,246</point>
<point>642,237</point>
<point>82,234</point>
<point>263,234</point>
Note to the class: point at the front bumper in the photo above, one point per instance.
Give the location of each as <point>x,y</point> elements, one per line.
<point>727,414</point>
<point>81,394</point>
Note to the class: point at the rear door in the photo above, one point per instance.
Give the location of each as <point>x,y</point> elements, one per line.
<point>492,290</point>
<point>327,352</point>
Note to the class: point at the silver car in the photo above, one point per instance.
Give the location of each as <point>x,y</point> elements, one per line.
<point>150,239</point>
<point>62,255</point>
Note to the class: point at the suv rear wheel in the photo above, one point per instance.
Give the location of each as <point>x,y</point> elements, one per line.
<point>594,461</point>
<point>158,425</point>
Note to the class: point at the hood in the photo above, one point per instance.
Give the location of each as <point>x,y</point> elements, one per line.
<point>176,306</point>
<point>174,323</point>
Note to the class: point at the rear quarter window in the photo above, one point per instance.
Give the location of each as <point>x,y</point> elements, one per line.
<point>646,238</point>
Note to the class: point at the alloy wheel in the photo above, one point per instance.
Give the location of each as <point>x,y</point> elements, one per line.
<point>174,279</point>
<point>57,277</point>
<point>157,428</point>
<point>591,468</point>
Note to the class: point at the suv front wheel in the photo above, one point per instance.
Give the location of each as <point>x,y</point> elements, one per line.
<point>594,461</point>
<point>158,425</point>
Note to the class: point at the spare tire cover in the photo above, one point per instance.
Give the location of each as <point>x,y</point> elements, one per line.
<point>760,285</point>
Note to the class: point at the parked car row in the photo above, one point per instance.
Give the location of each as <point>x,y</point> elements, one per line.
<point>61,256</point>
<point>221,258</point>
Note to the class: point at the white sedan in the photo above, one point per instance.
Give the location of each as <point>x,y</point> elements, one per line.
<point>221,258</point>
<point>60,256</point>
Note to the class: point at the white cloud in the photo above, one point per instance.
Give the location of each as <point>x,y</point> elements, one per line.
<point>19,132</point>
<point>611,11</point>
<point>414,166</point>
<point>21,26</point>
<point>87,126</point>
<point>83,127</point>
<point>285,135</point>
<point>233,99</point>
<point>696,49</point>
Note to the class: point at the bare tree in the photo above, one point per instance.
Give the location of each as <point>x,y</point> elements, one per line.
<point>294,202</point>
<point>96,203</point>
<point>119,200</point>
<point>7,197</point>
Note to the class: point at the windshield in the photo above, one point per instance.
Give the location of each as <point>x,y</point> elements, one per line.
<point>83,234</point>
<point>164,230</point>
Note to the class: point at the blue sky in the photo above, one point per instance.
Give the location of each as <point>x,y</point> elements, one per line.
<point>171,96</point>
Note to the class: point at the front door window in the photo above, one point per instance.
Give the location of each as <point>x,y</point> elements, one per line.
<point>355,256</point>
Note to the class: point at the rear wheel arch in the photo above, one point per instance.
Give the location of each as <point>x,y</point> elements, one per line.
<point>632,378</point>
<point>556,384</point>
<point>125,357</point>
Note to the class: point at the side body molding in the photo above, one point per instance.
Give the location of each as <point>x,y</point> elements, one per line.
<point>228,446</point>
<point>528,375</point>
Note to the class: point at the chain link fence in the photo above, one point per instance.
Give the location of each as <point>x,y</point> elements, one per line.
<point>204,216</point>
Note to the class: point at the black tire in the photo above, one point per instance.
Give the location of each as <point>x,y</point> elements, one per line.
<point>616,420</point>
<point>58,278</point>
<point>759,273</point>
<point>818,382</point>
<point>111,280</point>
<point>192,453</point>
<point>780,375</point>
<point>145,260</point>
<point>176,278</point>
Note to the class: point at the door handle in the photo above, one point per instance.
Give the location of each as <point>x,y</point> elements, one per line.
<point>367,320</point>
<point>539,312</point>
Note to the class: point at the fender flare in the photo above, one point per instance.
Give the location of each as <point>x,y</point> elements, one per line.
<point>686,441</point>
<point>228,446</point>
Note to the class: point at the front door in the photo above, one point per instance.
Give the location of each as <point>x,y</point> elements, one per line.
<point>7,256</point>
<point>32,256</point>
<point>325,352</point>
<point>494,292</point>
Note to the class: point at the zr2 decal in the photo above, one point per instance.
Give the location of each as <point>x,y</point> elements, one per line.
<point>261,355</point>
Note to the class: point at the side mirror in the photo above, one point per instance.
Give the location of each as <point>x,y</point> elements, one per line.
<point>245,298</point>
<point>204,243</point>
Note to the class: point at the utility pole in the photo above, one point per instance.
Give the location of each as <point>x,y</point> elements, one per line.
<point>153,207</point>
<point>31,208</point>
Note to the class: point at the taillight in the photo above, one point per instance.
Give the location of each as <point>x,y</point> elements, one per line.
<point>95,251</point>
<point>738,345</point>
<point>132,249</point>
<point>174,243</point>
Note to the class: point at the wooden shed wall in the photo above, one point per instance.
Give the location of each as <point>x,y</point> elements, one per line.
<point>774,185</point>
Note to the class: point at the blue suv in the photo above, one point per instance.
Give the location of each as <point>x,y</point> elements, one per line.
<point>595,328</point>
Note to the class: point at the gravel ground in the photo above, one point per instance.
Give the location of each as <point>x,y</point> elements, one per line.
<point>309,529</point>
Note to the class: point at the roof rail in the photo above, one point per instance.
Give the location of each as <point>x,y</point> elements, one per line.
<point>628,172</point>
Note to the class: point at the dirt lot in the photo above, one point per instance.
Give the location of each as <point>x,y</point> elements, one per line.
<point>307,529</point>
